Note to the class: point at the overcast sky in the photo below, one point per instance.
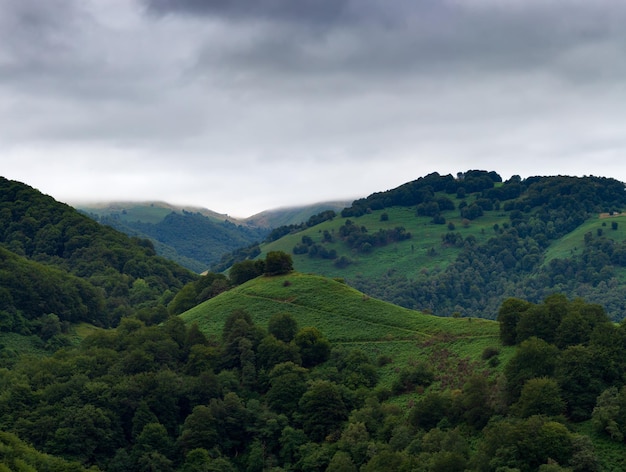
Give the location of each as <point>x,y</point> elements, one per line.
<point>241,106</point>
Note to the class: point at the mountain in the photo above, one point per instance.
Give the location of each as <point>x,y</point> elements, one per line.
<point>56,261</point>
<point>195,238</point>
<point>461,245</point>
<point>293,215</point>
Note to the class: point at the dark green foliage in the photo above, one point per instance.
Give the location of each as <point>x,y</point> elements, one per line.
<point>239,255</point>
<point>204,288</point>
<point>540,396</point>
<point>357,237</point>
<point>508,316</point>
<point>524,444</point>
<point>278,263</point>
<point>322,410</point>
<point>283,326</point>
<point>533,358</point>
<point>167,397</point>
<point>246,270</point>
<point>314,347</point>
<point>124,271</point>
<point>415,375</point>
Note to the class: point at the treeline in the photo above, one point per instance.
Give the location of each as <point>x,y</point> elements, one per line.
<point>123,273</point>
<point>422,191</point>
<point>281,231</point>
<point>212,284</point>
<point>281,397</point>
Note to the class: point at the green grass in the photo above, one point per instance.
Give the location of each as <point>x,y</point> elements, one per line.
<point>411,257</point>
<point>573,243</point>
<point>351,319</point>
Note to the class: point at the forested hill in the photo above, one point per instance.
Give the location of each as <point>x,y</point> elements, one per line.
<point>56,261</point>
<point>461,245</point>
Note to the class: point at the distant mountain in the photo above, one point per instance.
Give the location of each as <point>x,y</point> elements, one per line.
<point>193,237</point>
<point>196,238</point>
<point>293,215</point>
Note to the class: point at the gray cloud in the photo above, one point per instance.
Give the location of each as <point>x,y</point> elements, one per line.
<point>208,93</point>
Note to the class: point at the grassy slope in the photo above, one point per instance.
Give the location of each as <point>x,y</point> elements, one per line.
<point>573,243</point>
<point>414,257</point>
<point>408,257</point>
<point>349,318</point>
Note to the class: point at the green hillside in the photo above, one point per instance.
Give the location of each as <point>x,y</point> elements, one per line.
<point>463,245</point>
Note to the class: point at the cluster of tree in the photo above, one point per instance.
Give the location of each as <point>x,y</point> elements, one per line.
<point>281,231</point>
<point>357,237</point>
<point>570,349</point>
<point>212,284</point>
<point>307,246</point>
<point>166,397</point>
<point>422,191</point>
<point>192,239</point>
<point>511,262</point>
<point>124,273</point>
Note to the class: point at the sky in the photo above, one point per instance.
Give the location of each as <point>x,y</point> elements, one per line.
<point>242,106</point>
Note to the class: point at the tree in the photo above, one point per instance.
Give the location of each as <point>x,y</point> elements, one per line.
<point>322,410</point>
<point>287,385</point>
<point>581,380</point>
<point>278,263</point>
<point>540,396</point>
<point>241,272</point>
<point>283,326</point>
<point>533,358</point>
<point>314,347</point>
<point>509,315</point>
<point>198,431</point>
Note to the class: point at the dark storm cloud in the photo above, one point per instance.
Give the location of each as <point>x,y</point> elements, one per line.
<point>339,46</point>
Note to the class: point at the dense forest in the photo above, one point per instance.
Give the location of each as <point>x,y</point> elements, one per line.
<point>282,397</point>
